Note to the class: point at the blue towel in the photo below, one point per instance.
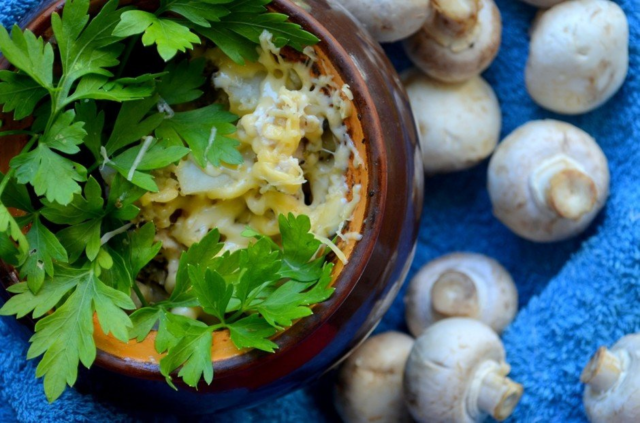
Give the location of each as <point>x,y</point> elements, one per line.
<point>574,296</point>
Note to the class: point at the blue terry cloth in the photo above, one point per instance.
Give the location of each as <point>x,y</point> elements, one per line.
<point>574,295</point>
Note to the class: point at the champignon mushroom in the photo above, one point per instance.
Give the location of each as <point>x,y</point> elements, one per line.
<point>543,3</point>
<point>389,20</point>
<point>461,285</point>
<point>579,55</point>
<point>548,180</point>
<point>456,373</point>
<point>612,379</point>
<point>458,124</point>
<point>459,41</point>
<point>369,387</point>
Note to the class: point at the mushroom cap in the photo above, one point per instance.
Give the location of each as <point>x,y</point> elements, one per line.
<point>579,55</point>
<point>621,403</point>
<point>514,166</point>
<point>463,57</point>
<point>497,296</point>
<point>440,370</point>
<point>458,124</point>
<point>369,387</point>
<point>389,20</point>
<point>543,3</point>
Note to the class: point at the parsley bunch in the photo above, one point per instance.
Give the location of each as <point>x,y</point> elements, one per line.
<point>73,242</point>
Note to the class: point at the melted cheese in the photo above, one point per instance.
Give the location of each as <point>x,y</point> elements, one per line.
<point>292,135</point>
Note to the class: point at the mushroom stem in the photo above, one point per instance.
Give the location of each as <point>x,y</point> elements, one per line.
<point>451,19</point>
<point>455,294</point>
<point>498,395</point>
<point>561,186</point>
<point>603,370</point>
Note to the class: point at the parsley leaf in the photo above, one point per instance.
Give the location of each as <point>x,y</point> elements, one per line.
<point>87,112</point>
<point>20,94</point>
<point>192,351</point>
<point>80,209</point>
<point>130,253</point>
<point>8,251</point>
<point>99,87</point>
<point>16,196</point>
<point>143,321</point>
<point>118,275</point>
<point>132,124</point>
<point>145,157</point>
<point>49,173</point>
<point>169,36</point>
<point>141,248</point>
<point>9,226</point>
<point>238,32</point>
<point>65,337</point>
<point>212,291</point>
<point>285,305</point>
<point>52,175</point>
<point>204,132</point>
<point>299,247</point>
<point>87,46</point>
<point>64,135</point>
<point>252,332</point>
<point>122,196</point>
<point>48,297</point>
<point>30,54</point>
<point>200,12</point>
<point>322,290</point>
<point>83,236</point>
<point>44,249</point>
<point>261,264</point>
<point>202,254</point>
<point>181,82</point>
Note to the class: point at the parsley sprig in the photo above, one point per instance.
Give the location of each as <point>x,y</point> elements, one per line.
<point>97,131</point>
<point>234,26</point>
<point>249,292</point>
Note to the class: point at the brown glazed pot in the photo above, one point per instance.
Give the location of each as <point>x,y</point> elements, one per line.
<point>384,132</point>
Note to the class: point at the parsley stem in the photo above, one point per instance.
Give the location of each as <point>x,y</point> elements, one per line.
<point>127,53</point>
<point>141,297</point>
<point>235,316</point>
<point>92,168</point>
<point>217,327</point>
<point>12,170</point>
<point>17,132</point>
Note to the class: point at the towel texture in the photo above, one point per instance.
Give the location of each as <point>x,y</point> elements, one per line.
<point>574,295</point>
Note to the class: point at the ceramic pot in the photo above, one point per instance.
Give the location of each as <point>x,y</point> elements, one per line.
<point>388,217</point>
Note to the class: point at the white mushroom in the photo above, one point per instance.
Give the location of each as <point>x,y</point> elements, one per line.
<point>461,285</point>
<point>459,41</point>
<point>389,20</point>
<point>543,3</point>
<point>548,180</point>
<point>458,124</point>
<point>369,387</point>
<point>579,55</point>
<point>612,377</point>
<point>456,373</point>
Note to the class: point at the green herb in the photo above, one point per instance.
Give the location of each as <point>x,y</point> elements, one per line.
<point>233,25</point>
<point>245,291</point>
<point>65,337</point>
<point>204,132</point>
<point>182,82</point>
<point>98,133</point>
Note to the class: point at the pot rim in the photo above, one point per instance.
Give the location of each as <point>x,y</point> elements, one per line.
<point>350,275</point>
